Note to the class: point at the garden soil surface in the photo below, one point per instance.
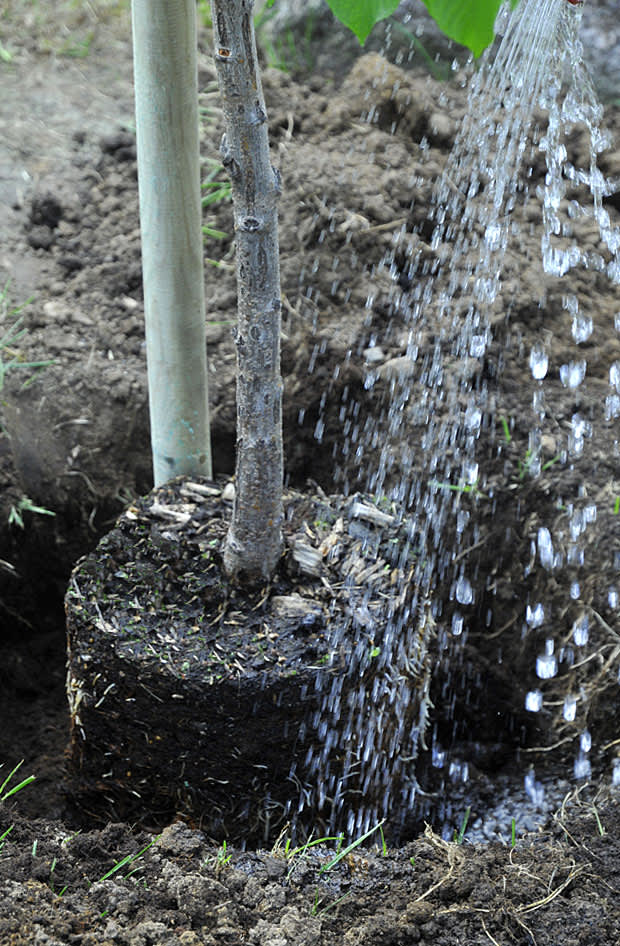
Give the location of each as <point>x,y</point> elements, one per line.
<point>358,158</point>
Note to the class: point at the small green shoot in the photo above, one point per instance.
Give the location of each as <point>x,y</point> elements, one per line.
<point>219,860</point>
<point>222,857</point>
<point>526,464</point>
<point>461,488</point>
<point>336,860</point>
<point>285,51</point>
<point>15,788</point>
<point>350,847</point>
<point>323,660</point>
<point>16,517</point>
<point>329,906</point>
<point>384,849</point>
<point>459,835</point>
<point>321,524</point>
<point>212,234</point>
<point>51,883</point>
<point>123,863</point>
<point>78,49</point>
<point>204,12</point>
<point>506,429</point>
<point>214,192</point>
<point>126,861</point>
<point>219,264</point>
<point>301,851</point>
<point>375,652</point>
<point>440,72</point>
<point>11,337</point>
<point>617,506</point>
<point>601,829</point>
<point>4,835</point>
<point>513,833</point>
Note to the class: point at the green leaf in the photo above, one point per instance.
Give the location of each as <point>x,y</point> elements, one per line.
<point>468,22</point>
<point>361,15</point>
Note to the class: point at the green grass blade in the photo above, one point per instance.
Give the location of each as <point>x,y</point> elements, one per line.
<point>350,847</point>
<point>16,788</point>
<point>128,859</point>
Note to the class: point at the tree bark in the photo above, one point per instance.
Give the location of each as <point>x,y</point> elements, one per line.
<point>254,540</point>
<point>166,89</point>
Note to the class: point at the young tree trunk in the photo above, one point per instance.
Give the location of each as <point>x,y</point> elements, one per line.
<point>166,88</point>
<point>254,540</point>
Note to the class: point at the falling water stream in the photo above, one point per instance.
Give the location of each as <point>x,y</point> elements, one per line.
<point>375,718</point>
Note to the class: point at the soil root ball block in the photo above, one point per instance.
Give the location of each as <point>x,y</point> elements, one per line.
<point>190,695</point>
<point>306,703</point>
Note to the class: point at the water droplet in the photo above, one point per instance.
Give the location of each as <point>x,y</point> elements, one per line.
<point>612,598</point>
<point>373,355</point>
<point>570,708</point>
<point>438,757</point>
<point>582,328</point>
<point>571,304</point>
<point>572,374</point>
<point>534,790</point>
<point>582,767</point>
<point>585,741</point>
<point>477,346</point>
<point>575,590</point>
<point>459,771</point>
<point>546,666</point>
<point>581,630</point>
<point>492,236</point>
<point>464,591</point>
<point>574,555</point>
<point>576,524</point>
<point>473,418</point>
<point>461,520</point>
<point>580,429</point>
<point>534,701</point>
<point>614,376</point>
<point>545,548</point>
<point>539,362</point>
<point>457,624</point>
<point>470,472</point>
<point>535,616</point>
<point>612,407</point>
<point>617,321</point>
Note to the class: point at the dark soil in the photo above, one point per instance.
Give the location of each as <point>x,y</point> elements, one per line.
<point>76,443</point>
<point>560,887</point>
